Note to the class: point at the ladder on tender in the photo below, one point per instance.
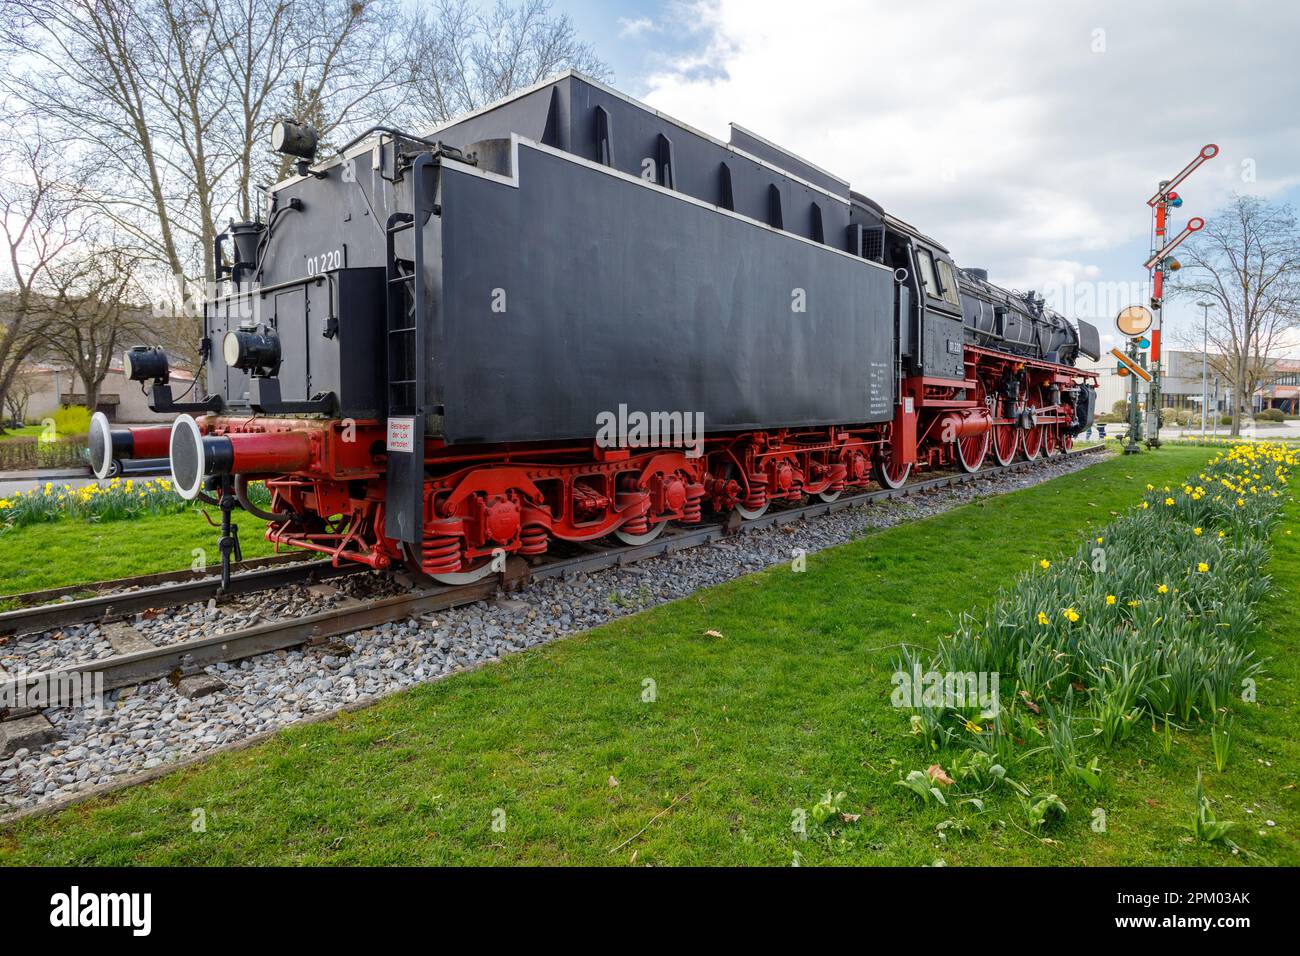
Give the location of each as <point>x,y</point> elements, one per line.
<point>406,364</point>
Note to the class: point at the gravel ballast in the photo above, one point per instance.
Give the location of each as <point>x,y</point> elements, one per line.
<point>153,725</point>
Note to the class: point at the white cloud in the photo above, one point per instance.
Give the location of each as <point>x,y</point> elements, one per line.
<point>996,128</point>
<point>637,27</point>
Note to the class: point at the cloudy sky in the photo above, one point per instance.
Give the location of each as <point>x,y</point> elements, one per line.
<point>1026,136</point>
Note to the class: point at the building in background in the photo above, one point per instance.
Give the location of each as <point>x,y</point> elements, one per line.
<point>1181,384</point>
<point>53,386</point>
<point>1283,392</point>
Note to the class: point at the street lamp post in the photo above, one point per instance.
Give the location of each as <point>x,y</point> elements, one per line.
<point>1205,360</point>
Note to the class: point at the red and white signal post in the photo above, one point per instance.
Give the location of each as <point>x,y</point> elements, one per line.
<point>1160,265</point>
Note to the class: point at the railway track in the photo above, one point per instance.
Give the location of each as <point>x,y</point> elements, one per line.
<point>191,656</point>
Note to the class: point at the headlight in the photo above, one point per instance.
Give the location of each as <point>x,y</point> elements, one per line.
<point>251,351</point>
<point>142,363</point>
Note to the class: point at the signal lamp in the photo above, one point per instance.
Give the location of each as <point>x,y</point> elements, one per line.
<point>257,352</point>
<point>294,139</point>
<point>142,363</point>
<point>1121,371</point>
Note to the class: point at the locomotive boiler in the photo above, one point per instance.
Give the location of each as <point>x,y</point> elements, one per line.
<point>567,316</point>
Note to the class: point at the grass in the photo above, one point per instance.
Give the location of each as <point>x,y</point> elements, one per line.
<point>26,431</point>
<point>746,730</point>
<point>69,552</point>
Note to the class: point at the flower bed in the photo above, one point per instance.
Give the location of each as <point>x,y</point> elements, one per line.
<point>118,499</point>
<point>1149,622</point>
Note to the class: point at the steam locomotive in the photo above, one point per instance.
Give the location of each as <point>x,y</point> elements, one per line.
<point>567,316</point>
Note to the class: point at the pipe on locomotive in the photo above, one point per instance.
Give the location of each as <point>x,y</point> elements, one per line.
<point>108,444</point>
<point>196,457</point>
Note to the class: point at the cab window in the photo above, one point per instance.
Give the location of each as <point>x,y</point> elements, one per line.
<point>926,263</point>
<point>949,282</point>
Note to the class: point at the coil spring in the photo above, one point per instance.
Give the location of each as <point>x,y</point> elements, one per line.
<point>691,513</point>
<point>442,555</point>
<point>757,496</point>
<point>638,525</point>
<point>533,539</point>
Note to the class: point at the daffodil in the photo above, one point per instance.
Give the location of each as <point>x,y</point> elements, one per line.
<point>1110,599</point>
<point>1163,589</point>
<point>1070,614</point>
<point>1202,567</point>
<point>1042,618</point>
<point>1196,531</point>
<point>1044,564</point>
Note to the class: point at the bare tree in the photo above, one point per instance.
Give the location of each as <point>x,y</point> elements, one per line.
<point>461,57</point>
<point>170,99</point>
<point>40,222</point>
<point>92,313</point>
<point>1246,261</point>
<point>21,388</point>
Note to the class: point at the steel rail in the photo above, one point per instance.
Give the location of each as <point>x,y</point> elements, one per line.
<point>32,598</point>
<point>58,688</point>
<point>171,593</point>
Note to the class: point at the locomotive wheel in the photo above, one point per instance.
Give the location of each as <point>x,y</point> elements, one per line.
<point>889,475</point>
<point>1031,442</point>
<point>1005,442</point>
<point>971,452</point>
<point>829,495</point>
<point>628,538</point>
<point>1051,440</point>
<point>749,514</point>
<point>455,578</point>
<point>466,577</point>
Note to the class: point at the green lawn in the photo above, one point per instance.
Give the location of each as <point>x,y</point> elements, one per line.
<point>791,701</point>
<point>61,553</point>
<point>26,431</point>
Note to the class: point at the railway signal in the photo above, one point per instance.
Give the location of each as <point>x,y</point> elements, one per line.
<point>1160,264</point>
<point>1133,322</point>
<point>1131,365</point>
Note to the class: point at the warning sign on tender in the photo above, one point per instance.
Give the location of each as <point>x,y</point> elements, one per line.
<point>401,434</point>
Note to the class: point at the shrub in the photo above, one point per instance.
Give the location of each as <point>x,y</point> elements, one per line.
<point>72,420</point>
<point>27,452</point>
<point>1272,415</point>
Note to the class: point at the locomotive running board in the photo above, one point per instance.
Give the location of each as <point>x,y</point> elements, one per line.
<point>405,346</point>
